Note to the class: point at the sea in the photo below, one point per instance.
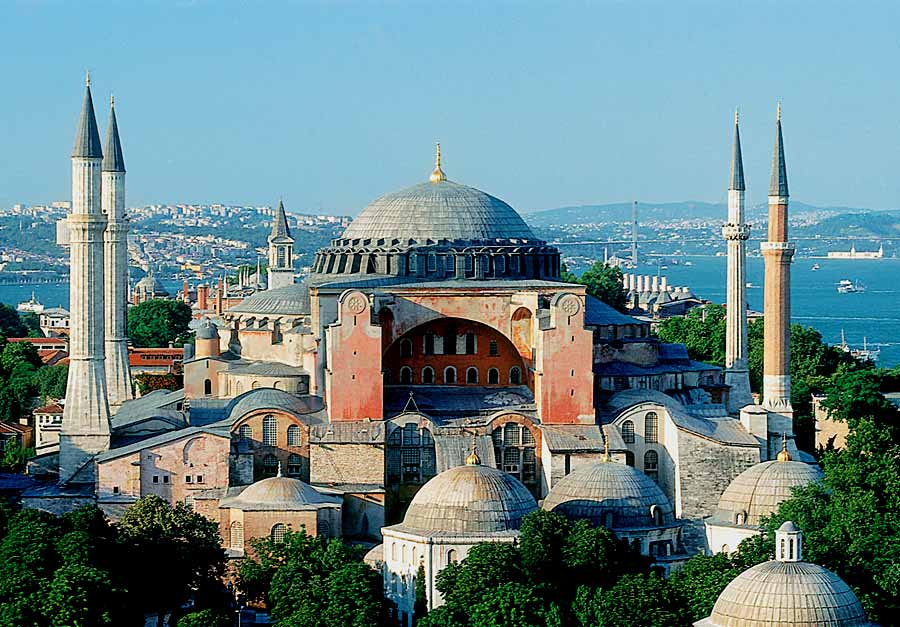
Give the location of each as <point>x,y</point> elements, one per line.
<point>872,316</point>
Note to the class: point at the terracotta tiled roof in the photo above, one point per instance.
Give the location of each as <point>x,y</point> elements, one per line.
<point>52,408</point>
<point>44,341</point>
<point>155,356</point>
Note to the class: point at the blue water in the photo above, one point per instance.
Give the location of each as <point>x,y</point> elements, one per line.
<point>874,314</point>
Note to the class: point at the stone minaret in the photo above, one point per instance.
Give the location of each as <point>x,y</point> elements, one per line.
<point>281,251</point>
<point>778,253</point>
<point>85,424</point>
<point>736,232</point>
<point>115,244</point>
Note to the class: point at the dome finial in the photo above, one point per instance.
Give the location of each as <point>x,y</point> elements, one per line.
<point>783,455</point>
<point>605,457</point>
<point>279,470</point>
<point>437,175</point>
<point>473,459</point>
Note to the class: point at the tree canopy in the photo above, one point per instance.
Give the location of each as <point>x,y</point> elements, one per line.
<point>603,282</point>
<point>157,323</point>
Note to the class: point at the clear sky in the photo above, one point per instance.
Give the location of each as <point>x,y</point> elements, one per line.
<point>543,104</point>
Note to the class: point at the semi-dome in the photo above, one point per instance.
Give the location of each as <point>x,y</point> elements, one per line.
<point>278,494</point>
<point>470,499</point>
<point>440,210</point>
<point>759,490</point>
<point>787,592</point>
<point>610,494</point>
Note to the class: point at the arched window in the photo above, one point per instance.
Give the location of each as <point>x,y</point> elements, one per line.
<point>207,387</point>
<point>428,375</point>
<point>406,347</point>
<point>628,432</point>
<point>293,435</point>
<point>740,518</point>
<point>277,533</point>
<point>493,348</point>
<point>237,535</point>
<point>245,433</point>
<point>515,376</point>
<point>394,551</point>
<point>451,556</point>
<point>651,427</point>
<point>651,464</point>
<point>608,520</point>
<point>295,465</point>
<point>629,459</point>
<point>470,343</point>
<point>410,454</point>
<point>270,465</point>
<point>270,431</point>
<point>405,375</point>
<point>450,375</point>
<point>429,343</point>
<point>493,376</point>
<point>403,553</point>
<point>515,451</point>
<point>471,375</point>
<point>657,515</point>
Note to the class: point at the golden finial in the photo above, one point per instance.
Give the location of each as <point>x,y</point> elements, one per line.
<point>473,459</point>
<point>437,175</point>
<point>783,455</point>
<point>605,457</point>
<point>87,79</point>
<point>778,112</point>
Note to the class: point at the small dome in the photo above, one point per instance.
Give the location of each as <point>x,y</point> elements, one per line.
<point>438,210</point>
<point>787,594</point>
<point>597,490</point>
<point>471,499</point>
<point>288,300</point>
<point>278,494</point>
<point>208,331</point>
<point>152,286</point>
<point>759,490</point>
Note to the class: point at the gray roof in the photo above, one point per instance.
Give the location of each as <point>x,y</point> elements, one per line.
<point>280,229</point>
<point>442,210</point>
<point>269,369</point>
<point>270,398</point>
<point>113,161</point>
<point>736,181</point>
<point>573,438</point>
<point>279,494</point>
<point>452,449</point>
<point>787,594</point>
<point>457,400</point>
<point>472,499</point>
<point>759,490</point>
<point>778,184</point>
<point>165,438</point>
<point>290,300</point>
<point>87,139</point>
<point>349,432</point>
<point>598,313</point>
<point>152,285</point>
<point>594,491</point>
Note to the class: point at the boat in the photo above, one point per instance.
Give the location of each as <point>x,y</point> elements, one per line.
<point>865,353</point>
<point>846,286</point>
<point>688,263</point>
<point>816,267</point>
<point>750,285</point>
<point>32,305</point>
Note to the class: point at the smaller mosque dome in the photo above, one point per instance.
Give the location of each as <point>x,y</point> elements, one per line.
<point>611,494</point>
<point>288,300</point>
<point>151,286</point>
<point>208,331</point>
<point>759,490</point>
<point>470,499</point>
<point>787,592</point>
<point>278,494</point>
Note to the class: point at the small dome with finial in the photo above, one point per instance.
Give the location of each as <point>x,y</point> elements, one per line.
<point>783,455</point>
<point>437,175</point>
<point>473,459</point>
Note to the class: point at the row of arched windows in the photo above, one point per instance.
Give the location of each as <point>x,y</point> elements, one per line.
<point>270,433</point>
<point>294,465</point>
<point>651,429</point>
<point>427,376</point>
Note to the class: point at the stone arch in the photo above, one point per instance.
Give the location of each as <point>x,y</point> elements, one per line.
<point>449,375</point>
<point>522,327</point>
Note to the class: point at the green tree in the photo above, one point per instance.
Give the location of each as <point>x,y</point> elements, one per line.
<point>179,553</point>
<point>157,323</point>
<point>602,282</point>
<point>15,456</point>
<point>542,540</point>
<point>17,353</point>
<point>50,382</point>
<point>641,600</point>
<point>32,323</point>
<point>205,618</point>
<point>486,567</point>
<point>10,322</point>
<point>421,605</point>
<point>702,331</point>
<point>509,605</point>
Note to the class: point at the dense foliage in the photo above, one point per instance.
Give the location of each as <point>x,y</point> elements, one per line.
<point>602,282</point>
<point>312,582</point>
<point>23,377</point>
<point>80,570</point>
<point>167,381</point>
<point>157,323</point>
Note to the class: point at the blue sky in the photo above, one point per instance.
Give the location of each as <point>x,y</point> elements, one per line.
<point>332,104</point>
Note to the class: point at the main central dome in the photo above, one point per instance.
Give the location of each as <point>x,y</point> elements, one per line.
<point>440,210</point>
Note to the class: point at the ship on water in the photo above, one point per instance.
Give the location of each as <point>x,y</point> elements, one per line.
<point>846,286</point>
<point>857,254</point>
<point>32,305</point>
<point>865,353</point>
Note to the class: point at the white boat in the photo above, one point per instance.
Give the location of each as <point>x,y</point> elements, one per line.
<point>846,286</point>
<point>30,306</point>
<point>865,353</point>
<point>816,267</point>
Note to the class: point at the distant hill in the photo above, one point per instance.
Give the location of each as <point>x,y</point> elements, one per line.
<point>663,211</point>
<point>859,224</point>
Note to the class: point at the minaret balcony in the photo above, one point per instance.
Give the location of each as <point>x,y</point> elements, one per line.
<point>731,231</point>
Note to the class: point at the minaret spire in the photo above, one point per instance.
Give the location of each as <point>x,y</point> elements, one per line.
<point>281,251</point>
<point>115,257</point>
<point>736,232</point>
<point>778,253</point>
<point>85,427</point>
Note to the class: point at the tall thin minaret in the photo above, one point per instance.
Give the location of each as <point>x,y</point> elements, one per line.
<point>778,253</point>
<point>85,424</point>
<point>115,257</point>
<point>281,251</point>
<point>736,232</point>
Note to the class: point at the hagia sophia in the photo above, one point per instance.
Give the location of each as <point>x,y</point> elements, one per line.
<point>428,384</point>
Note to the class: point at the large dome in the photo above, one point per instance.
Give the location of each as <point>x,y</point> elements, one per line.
<point>611,494</point>
<point>438,210</point>
<point>759,490</point>
<point>470,499</point>
<point>787,594</point>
